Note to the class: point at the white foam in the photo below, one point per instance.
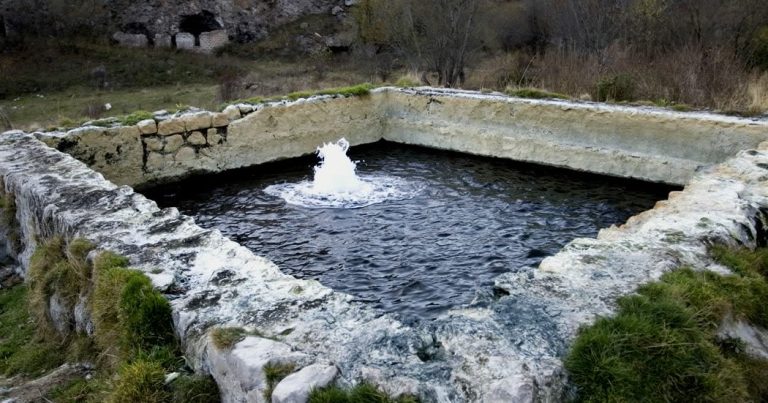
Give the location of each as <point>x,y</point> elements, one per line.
<point>336,184</point>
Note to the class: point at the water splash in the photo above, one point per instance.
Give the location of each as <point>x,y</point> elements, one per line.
<point>337,185</point>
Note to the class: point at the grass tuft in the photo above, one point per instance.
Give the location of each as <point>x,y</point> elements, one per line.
<point>362,393</point>
<point>140,381</point>
<point>274,373</point>
<point>351,91</point>
<point>534,93</point>
<point>194,389</point>
<point>138,320</point>
<point>225,338</point>
<point>135,117</point>
<point>662,345</point>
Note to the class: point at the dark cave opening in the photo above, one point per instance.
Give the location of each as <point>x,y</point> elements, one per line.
<point>196,24</point>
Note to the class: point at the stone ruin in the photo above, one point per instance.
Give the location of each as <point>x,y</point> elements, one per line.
<point>201,32</point>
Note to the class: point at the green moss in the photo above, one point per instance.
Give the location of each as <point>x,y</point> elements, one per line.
<point>362,393</point>
<point>300,94</point>
<point>135,117</point>
<point>351,91</point>
<point>274,373</point>
<point>194,389</point>
<point>662,345</point>
<point>535,94</point>
<point>226,337</point>
<point>358,90</point>
<point>140,381</point>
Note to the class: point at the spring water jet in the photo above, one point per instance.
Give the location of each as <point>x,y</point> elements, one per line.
<point>337,185</point>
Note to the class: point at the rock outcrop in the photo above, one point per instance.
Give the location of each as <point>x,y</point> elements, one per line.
<point>211,23</point>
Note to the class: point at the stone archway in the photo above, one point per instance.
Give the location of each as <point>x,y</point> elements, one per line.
<point>196,24</point>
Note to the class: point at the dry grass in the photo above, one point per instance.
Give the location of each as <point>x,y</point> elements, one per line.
<point>715,80</point>
<point>757,90</point>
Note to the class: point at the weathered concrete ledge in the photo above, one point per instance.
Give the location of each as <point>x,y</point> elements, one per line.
<point>643,143</point>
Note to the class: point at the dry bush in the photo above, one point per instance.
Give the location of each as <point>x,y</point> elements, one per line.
<point>757,90</point>
<point>566,71</point>
<point>501,71</point>
<point>714,78</point>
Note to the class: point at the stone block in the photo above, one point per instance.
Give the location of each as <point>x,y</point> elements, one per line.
<point>123,132</point>
<point>211,40</point>
<point>196,138</point>
<point>163,41</point>
<point>232,112</point>
<point>185,40</point>
<point>173,143</point>
<point>220,119</point>
<point>170,126</point>
<point>154,144</point>
<point>185,154</point>
<point>196,121</point>
<point>131,40</point>
<point>295,387</point>
<point>245,108</point>
<point>155,162</point>
<point>214,138</point>
<point>148,126</point>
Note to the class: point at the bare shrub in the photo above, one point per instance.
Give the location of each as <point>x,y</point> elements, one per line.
<point>230,88</point>
<point>5,122</point>
<point>94,110</point>
<point>757,89</point>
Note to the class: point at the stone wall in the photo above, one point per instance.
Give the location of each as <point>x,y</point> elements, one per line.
<point>506,351</point>
<point>644,143</point>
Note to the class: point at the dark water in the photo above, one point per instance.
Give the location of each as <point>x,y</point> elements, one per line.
<point>474,219</point>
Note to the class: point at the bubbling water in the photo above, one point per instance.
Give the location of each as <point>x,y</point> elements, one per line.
<point>337,185</point>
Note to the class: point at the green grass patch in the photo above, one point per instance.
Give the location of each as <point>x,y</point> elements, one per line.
<point>22,352</point>
<point>130,317</point>
<point>274,373</point>
<point>135,117</point>
<point>133,329</point>
<point>662,345</point>
<point>407,81</point>
<point>194,389</point>
<point>362,393</point>
<point>57,270</point>
<point>140,381</point>
<point>535,94</point>
<point>358,90</point>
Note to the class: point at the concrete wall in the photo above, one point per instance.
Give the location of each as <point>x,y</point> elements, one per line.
<point>644,143</point>
<point>494,353</point>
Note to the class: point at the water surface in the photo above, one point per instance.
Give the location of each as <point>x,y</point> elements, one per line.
<point>473,219</point>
